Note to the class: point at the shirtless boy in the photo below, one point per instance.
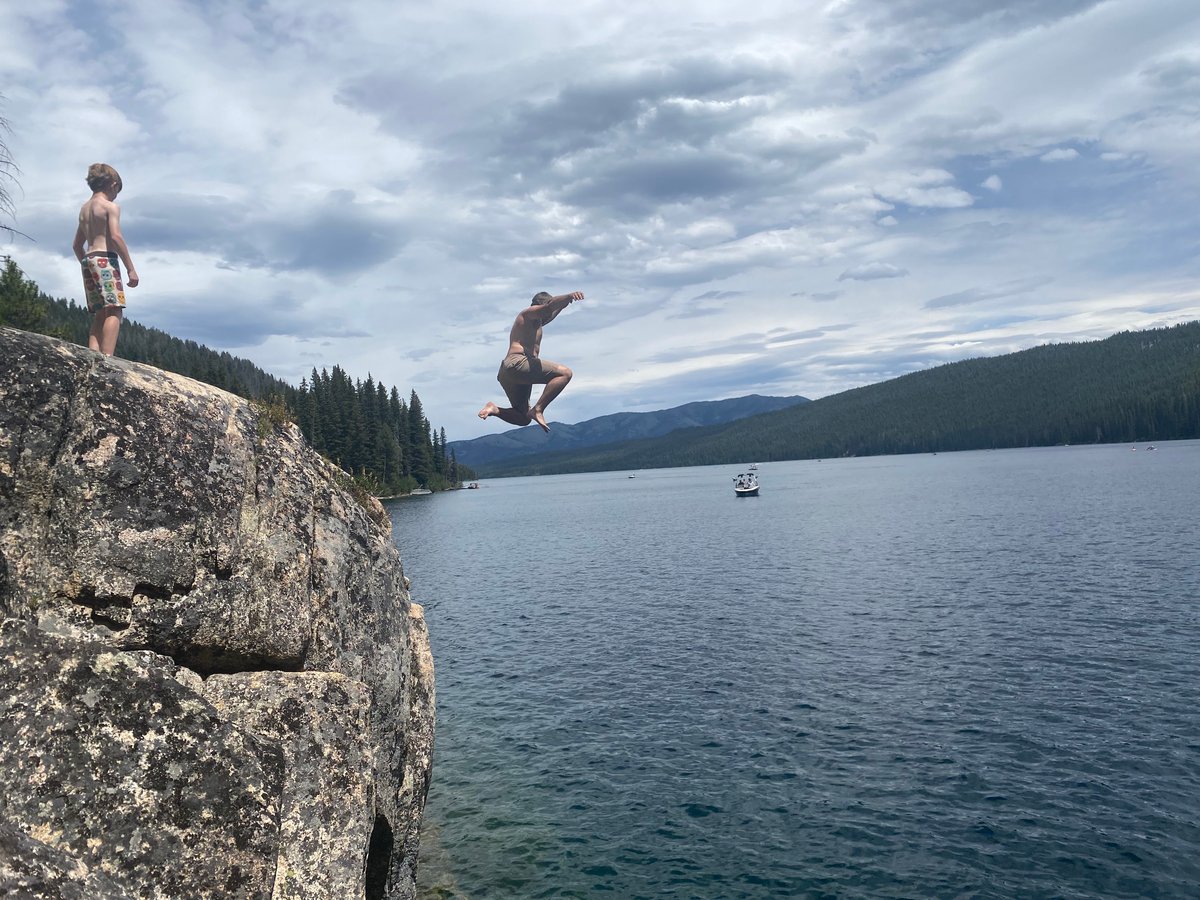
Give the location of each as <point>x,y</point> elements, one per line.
<point>523,368</point>
<point>100,231</point>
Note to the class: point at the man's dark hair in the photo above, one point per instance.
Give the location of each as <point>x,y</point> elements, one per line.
<point>541,298</point>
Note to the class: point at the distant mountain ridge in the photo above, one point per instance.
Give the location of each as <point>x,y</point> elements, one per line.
<point>616,427</point>
<point>1132,386</point>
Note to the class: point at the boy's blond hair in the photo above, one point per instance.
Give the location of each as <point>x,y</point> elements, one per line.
<point>102,176</point>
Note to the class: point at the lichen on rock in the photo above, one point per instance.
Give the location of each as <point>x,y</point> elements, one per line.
<point>189,586</point>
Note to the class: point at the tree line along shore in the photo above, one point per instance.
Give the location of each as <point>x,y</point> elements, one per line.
<point>1132,386</point>
<point>378,436</point>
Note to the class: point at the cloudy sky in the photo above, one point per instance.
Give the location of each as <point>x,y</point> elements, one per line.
<point>777,197</point>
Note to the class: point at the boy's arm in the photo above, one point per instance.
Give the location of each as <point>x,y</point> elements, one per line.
<point>80,239</point>
<point>118,243</point>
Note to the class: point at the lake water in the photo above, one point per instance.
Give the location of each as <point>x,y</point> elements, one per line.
<point>953,675</point>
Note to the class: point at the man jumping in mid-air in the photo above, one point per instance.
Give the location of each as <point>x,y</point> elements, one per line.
<point>523,368</point>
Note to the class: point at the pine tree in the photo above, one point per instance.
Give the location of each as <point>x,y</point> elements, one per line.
<point>398,428</point>
<point>21,303</point>
<point>420,446</point>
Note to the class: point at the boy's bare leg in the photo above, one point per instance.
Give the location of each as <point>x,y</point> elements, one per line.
<point>111,329</point>
<point>102,336</point>
<point>553,388</point>
<point>95,331</point>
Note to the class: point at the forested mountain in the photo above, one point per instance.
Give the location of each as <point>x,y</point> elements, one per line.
<point>385,442</point>
<point>516,442</point>
<point>1133,386</point>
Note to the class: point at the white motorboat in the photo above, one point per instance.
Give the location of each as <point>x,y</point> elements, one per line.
<point>745,484</point>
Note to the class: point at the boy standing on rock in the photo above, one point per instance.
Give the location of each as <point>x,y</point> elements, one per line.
<point>522,367</point>
<point>100,231</point>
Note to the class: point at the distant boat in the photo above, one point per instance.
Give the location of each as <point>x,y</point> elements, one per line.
<point>1151,447</point>
<point>745,485</point>
<point>753,467</point>
<point>631,475</point>
<point>473,486</point>
<point>420,491</point>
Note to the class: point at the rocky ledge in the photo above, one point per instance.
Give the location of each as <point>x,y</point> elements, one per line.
<point>213,683</point>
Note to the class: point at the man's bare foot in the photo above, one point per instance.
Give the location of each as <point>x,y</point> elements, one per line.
<point>490,410</point>
<point>536,415</point>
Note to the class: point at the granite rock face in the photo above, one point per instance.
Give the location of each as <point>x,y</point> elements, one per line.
<point>28,868</point>
<point>212,680</point>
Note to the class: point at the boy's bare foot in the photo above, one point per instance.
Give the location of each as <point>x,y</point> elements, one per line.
<point>536,415</point>
<point>490,410</point>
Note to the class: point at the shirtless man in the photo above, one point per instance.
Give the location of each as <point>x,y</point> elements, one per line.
<point>523,368</point>
<point>100,231</point>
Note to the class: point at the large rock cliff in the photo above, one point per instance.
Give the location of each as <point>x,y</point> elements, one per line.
<point>213,683</point>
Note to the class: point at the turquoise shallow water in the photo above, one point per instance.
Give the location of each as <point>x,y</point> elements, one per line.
<point>967,674</point>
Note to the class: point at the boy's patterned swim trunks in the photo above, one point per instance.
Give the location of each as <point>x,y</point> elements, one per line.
<point>102,281</point>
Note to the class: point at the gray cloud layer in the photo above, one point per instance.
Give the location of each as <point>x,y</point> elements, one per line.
<point>387,185</point>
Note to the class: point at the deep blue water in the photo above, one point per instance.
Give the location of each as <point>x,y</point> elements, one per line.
<point>953,675</point>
